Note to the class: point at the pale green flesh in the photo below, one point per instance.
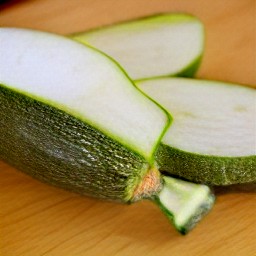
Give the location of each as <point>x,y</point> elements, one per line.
<point>82,82</point>
<point>184,203</point>
<point>150,47</point>
<point>210,118</point>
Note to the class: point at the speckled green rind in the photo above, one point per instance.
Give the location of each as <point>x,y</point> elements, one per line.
<point>211,170</point>
<point>59,149</point>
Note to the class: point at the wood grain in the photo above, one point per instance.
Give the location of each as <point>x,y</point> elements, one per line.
<point>36,219</point>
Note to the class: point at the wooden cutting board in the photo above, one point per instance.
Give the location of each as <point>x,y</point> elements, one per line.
<point>37,219</point>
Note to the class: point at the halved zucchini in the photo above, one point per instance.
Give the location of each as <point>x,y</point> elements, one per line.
<point>70,109</point>
<point>167,44</point>
<point>213,136</point>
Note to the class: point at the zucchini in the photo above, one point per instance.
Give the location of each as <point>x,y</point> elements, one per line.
<point>166,44</point>
<point>69,116</point>
<point>213,136</point>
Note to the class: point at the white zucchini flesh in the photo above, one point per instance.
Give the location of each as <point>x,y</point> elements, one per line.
<point>82,82</point>
<point>160,45</point>
<point>210,118</point>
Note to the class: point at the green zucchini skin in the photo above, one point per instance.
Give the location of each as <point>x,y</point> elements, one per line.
<point>190,70</point>
<point>59,149</point>
<point>206,169</point>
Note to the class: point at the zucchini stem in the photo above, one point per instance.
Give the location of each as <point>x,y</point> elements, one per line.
<point>184,203</point>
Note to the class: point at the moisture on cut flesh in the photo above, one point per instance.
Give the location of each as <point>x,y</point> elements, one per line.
<point>167,44</point>
<point>70,117</point>
<point>213,135</point>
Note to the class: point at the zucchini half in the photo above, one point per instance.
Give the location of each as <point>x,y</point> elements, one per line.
<point>69,116</point>
<point>212,139</point>
<point>159,45</point>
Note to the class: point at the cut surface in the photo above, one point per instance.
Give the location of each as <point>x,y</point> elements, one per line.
<point>213,135</point>
<point>210,118</point>
<point>184,203</point>
<point>82,82</point>
<point>154,46</point>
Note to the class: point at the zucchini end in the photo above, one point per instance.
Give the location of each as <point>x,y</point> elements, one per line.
<point>150,185</point>
<point>184,203</point>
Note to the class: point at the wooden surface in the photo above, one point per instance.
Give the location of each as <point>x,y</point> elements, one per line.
<point>36,219</point>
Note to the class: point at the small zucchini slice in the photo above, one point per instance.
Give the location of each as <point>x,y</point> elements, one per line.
<point>212,139</point>
<point>159,45</point>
